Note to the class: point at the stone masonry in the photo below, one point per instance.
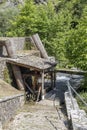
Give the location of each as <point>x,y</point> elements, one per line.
<point>78,117</point>
<point>40,116</point>
<point>2,67</point>
<point>9,106</point>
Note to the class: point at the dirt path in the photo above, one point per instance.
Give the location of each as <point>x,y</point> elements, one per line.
<point>45,115</point>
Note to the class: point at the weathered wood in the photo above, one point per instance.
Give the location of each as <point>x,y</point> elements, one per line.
<point>38,95</point>
<point>16,69</point>
<point>43,85</point>
<point>69,71</point>
<point>10,48</point>
<point>32,41</point>
<point>18,77</point>
<point>32,62</point>
<point>40,46</point>
<point>35,78</point>
<point>54,79</point>
<point>52,83</point>
<point>22,65</point>
<point>28,87</point>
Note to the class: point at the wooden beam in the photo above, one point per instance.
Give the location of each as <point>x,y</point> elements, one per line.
<point>10,48</point>
<point>54,79</point>
<point>16,70</point>
<point>32,41</point>
<point>68,71</point>
<point>22,65</point>
<point>39,46</point>
<point>43,85</point>
<point>18,77</point>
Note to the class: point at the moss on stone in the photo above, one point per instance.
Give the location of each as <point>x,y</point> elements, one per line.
<point>7,76</point>
<point>28,46</point>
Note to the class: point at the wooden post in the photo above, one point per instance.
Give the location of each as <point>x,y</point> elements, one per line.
<point>10,48</point>
<point>18,77</point>
<point>40,46</point>
<point>52,83</point>
<point>32,41</point>
<point>54,79</point>
<point>43,85</point>
<point>16,69</point>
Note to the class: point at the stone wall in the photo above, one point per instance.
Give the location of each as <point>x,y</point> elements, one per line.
<point>78,117</point>
<point>2,67</point>
<point>9,106</point>
<point>17,44</point>
<point>0,126</point>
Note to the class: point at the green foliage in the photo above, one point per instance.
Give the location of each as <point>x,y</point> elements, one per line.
<point>28,46</point>
<point>44,20</point>
<point>7,77</point>
<point>76,43</point>
<point>24,23</point>
<point>84,97</point>
<point>61,25</point>
<point>5,17</point>
<point>83,87</point>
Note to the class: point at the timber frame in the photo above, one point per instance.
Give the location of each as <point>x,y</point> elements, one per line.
<point>43,64</point>
<point>36,66</point>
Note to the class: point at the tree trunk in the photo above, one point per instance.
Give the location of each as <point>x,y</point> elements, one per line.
<point>16,70</point>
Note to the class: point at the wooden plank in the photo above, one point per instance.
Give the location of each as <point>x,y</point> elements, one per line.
<point>40,46</point>
<point>76,72</point>
<point>67,71</point>
<point>23,65</point>
<point>43,85</point>
<point>32,62</point>
<point>54,79</point>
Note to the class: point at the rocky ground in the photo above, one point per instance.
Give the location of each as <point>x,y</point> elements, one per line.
<point>47,114</point>
<point>44,115</point>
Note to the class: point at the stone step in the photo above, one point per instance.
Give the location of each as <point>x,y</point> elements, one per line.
<point>41,116</point>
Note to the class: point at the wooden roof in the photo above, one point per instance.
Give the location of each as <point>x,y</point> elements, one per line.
<point>28,59</point>
<point>33,62</point>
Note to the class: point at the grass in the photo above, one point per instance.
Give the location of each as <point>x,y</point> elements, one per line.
<point>7,76</point>
<point>84,97</point>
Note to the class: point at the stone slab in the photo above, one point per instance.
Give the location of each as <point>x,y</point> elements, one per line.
<point>40,116</point>
<point>9,106</point>
<point>78,117</point>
